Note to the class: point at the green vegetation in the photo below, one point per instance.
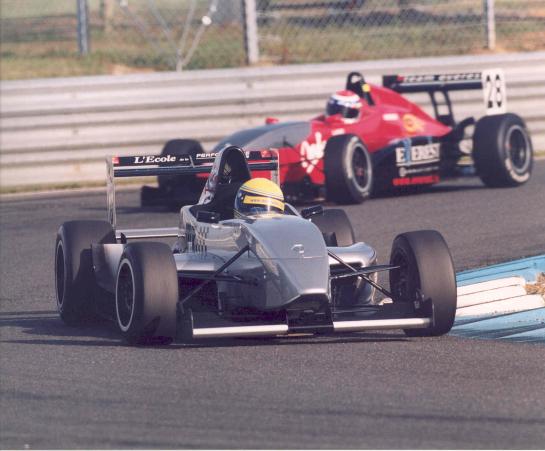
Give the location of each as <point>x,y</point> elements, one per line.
<point>38,38</point>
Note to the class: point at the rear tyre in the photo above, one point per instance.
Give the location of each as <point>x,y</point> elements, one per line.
<point>74,277</point>
<point>176,190</point>
<point>426,277</point>
<point>502,154</point>
<point>146,293</point>
<point>335,227</point>
<point>348,170</point>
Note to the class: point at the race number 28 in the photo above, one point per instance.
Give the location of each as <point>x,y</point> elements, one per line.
<point>495,95</point>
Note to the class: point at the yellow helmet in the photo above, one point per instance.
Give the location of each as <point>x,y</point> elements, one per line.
<point>259,196</point>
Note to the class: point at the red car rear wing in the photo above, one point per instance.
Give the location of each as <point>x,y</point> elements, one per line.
<point>437,82</point>
<point>491,81</point>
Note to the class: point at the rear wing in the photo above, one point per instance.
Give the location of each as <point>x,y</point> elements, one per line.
<point>491,81</point>
<point>154,165</point>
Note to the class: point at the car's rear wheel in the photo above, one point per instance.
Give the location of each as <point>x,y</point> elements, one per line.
<point>335,227</point>
<point>74,277</point>
<point>146,293</point>
<point>348,170</point>
<point>502,150</point>
<point>425,278</point>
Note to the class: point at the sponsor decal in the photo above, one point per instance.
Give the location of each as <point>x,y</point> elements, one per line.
<point>418,180</point>
<point>408,155</point>
<point>405,171</point>
<point>413,124</point>
<point>156,159</point>
<point>205,155</point>
<point>443,78</point>
<point>390,116</point>
<point>521,178</point>
<point>312,153</point>
<point>259,200</point>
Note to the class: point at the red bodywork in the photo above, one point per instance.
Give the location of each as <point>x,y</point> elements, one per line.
<point>391,118</point>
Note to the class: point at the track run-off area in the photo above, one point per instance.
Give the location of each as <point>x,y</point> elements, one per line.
<point>63,387</point>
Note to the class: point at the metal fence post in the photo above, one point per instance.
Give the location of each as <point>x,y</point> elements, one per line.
<point>250,32</point>
<point>83,27</point>
<point>490,24</point>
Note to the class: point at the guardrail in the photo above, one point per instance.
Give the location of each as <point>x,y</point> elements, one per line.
<point>59,130</point>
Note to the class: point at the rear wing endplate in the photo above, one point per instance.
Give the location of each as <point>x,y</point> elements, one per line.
<point>491,81</point>
<point>155,165</point>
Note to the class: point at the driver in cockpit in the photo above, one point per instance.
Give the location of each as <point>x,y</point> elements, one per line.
<point>259,197</point>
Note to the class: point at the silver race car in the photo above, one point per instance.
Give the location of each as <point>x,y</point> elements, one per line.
<point>227,276</point>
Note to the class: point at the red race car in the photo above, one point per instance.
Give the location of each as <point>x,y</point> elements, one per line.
<point>372,140</point>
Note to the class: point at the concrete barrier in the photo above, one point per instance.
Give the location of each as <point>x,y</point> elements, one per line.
<point>59,130</point>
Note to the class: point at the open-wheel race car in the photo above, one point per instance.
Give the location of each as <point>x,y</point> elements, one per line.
<point>372,140</point>
<point>239,268</point>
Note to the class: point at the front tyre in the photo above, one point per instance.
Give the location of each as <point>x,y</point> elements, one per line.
<point>503,153</point>
<point>146,293</point>
<point>335,227</point>
<point>348,170</point>
<point>74,277</point>
<point>426,278</point>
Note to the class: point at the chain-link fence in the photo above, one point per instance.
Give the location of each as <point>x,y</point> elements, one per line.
<point>310,31</point>
<point>40,38</point>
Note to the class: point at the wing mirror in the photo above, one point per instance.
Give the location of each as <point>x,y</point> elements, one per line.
<point>209,217</point>
<point>312,211</point>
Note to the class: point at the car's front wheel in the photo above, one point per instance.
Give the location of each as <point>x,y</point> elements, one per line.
<point>426,278</point>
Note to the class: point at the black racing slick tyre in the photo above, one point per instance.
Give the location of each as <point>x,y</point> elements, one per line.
<point>74,277</point>
<point>176,190</point>
<point>426,278</point>
<point>146,293</point>
<point>502,150</point>
<point>348,170</point>
<point>335,227</point>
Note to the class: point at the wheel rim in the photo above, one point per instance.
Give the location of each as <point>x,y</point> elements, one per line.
<point>360,167</point>
<point>518,149</point>
<point>59,274</point>
<point>401,290</point>
<point>124,296</point>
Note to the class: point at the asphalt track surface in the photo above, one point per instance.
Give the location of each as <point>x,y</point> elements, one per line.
<point>83,388</point>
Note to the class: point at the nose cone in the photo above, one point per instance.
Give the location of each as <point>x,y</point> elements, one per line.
<point>285,237</point>
<point>293,252</point>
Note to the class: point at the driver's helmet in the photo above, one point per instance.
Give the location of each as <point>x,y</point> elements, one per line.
<point>346,103</point>
<point>259,197</point>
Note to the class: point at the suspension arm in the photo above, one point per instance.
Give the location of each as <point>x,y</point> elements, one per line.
<point>363,273</point>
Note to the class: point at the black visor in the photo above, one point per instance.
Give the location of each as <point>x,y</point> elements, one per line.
<point>346,112</point>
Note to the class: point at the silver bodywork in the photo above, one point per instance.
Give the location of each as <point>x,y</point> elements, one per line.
<point>278,266</point>
<point>287,257</point>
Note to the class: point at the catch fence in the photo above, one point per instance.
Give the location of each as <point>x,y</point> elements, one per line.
<point>123,35</point>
